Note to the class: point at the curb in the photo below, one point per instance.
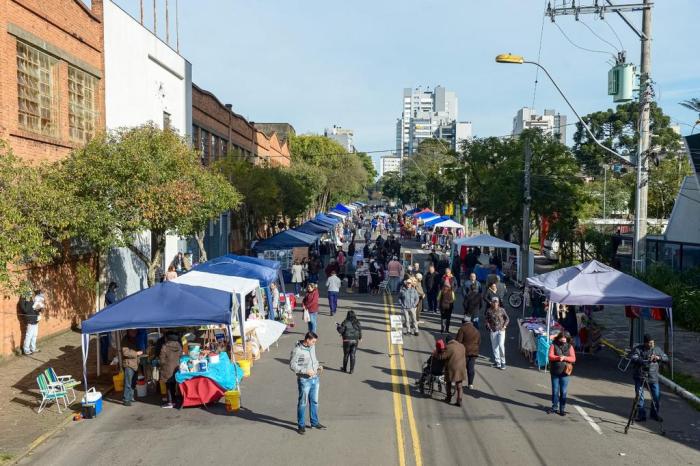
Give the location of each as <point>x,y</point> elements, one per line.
<point>675,388</point>
<point>47,435</point>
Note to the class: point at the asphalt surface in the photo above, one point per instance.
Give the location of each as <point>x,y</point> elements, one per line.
<point>376,416</point>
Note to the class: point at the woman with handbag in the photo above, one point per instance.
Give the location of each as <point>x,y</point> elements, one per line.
<point>561,359</point>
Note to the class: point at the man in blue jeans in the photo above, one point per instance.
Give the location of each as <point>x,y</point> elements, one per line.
<point>646,358</point>
<point>304,364</point>
<point>130,360</point>
<point>333,285</point>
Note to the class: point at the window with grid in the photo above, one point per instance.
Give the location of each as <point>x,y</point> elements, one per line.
<point>82,92</point>
<point>37,93</point>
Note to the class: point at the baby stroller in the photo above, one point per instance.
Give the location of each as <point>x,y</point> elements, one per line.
<point>433,373</point>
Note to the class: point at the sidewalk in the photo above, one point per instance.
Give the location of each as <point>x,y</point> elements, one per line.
<point>20,425</point>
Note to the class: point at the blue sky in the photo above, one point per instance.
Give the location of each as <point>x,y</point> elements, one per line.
<point>317,63</point>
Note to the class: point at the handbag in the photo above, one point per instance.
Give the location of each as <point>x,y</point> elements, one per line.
<point>307,317</point>
<point>568,368</point>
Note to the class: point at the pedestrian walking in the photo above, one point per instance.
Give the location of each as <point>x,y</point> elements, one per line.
<point>471,281</point>
<point>275,295</point>
<point>497,321</point>
<point>561,359</point>
<point>470,338</point>
<point>408,299</point>
<point>333,284</point>
<point>455,368</point>
<point>431,286</point>
<point>168,364</point>
<point>32,307</point>
<point>304,363</point>
<point>310,305</point>
<point>375,273</point>
<point>471,303</point>
<point>351,332</point>
<point>297,277</point>
<point>130,360</point>
<point>418,280</point>
<point>313,268</point>
<point>395,272</point>
<point>446,302</point>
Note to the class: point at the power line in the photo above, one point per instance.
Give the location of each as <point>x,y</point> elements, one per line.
<point>539,54</point>
<point>578,46</point>
<point>622,47</point>
<point>598,36</point>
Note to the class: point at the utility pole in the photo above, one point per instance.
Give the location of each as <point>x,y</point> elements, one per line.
<point>466,202</point>
<point>645,96</point>
<point>525,246</point>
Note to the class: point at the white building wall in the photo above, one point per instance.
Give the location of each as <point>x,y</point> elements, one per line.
<point>144,78</point>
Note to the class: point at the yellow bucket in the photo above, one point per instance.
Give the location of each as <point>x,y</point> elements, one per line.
<point>233,400</point>
<point>245,366</point>
<point>118,382</point>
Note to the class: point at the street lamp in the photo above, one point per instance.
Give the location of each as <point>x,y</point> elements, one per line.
<point>519,60</point>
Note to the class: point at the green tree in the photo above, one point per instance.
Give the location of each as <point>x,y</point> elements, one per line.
<point>33,217</point>
<point>618,129</point>
<point>141,179</point>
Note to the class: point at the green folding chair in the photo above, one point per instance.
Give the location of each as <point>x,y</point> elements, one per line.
<point>68,382</point>
<point>51,392</point>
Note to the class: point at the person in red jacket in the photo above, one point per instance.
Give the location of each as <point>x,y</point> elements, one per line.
<point>561,359</point>
<point>310,304</point>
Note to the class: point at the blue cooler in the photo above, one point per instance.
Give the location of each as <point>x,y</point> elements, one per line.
<point>92,398</point>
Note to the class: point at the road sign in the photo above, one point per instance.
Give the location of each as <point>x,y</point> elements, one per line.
<point>396,321</point>
<point>396,337</point>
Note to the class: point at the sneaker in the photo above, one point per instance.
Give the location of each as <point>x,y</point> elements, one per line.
<point>421,321</point>
<point>36,351</point>
<point>496,365</point>
<point>127,403</point>
<point>319,426</point>
<point>471,387</point>
<point>502,367</point>
<point>562,412</point>
<point>167,406</point>
<point>29,353</point>
<point>552,410</point>
<point>301,430</point>
<point>415,333</point>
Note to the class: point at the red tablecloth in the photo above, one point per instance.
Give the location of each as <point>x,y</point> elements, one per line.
<point>199,391</point>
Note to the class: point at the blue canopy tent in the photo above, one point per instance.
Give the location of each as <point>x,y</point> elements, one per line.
<point>235,268</point>
<point>276,265</point>
<point>327,219</point>
<point>343,209</point>
<point>286,239</point>
<point>164,305</point>
<point>313,228</point>
<point>412,211</point>
<point>424,215</point>
<point>435,221</point>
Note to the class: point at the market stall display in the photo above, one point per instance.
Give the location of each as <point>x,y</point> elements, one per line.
<point>202,381</point>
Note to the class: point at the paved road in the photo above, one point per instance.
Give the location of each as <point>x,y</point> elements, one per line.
<point>376,417</point>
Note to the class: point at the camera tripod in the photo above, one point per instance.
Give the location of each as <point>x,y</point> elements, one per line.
<point>635,404</point>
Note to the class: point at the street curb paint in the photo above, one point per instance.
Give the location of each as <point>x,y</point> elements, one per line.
<point>675,388</point>
<point>47,435</point>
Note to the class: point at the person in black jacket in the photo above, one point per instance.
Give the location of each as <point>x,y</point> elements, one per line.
<point>646,358</point>
<point>431,287</point>
<point>351,332</point>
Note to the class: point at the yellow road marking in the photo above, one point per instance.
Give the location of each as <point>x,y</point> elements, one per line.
<point>398,411</point>
<point>409,407</point>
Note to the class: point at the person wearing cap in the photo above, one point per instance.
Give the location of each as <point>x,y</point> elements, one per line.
<point>408,299</point>
<point>455,368</point>
<point>646,358</point>
<point>470,338</point>
<point>497,321</point>
<point>395,271</point>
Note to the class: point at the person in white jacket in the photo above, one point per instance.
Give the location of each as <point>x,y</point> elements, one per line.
<point>297,277</point>
<point>333,284</point>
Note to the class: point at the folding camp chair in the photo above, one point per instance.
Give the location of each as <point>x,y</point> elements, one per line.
<point>68,382</point>
<point>51,391</point>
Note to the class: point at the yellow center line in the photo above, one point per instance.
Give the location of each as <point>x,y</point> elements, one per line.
<point>409,407</point>
<point>398,411</point>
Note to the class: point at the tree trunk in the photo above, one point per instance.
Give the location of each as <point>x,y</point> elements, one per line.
<point>199,237</point>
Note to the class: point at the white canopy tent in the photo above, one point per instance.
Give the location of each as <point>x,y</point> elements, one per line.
<point>486,241</point>
<point>427,219</point>
<point>336,214</point>
<point>449,223</point>
<point>238,286</point>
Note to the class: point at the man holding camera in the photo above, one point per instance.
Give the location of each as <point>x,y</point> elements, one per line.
<point>646,358</point>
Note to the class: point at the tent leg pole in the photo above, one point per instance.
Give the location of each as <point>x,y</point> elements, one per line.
<point>98,358</point>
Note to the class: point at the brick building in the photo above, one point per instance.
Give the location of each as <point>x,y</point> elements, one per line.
<point>51,101</point>
<point>216,128</point>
